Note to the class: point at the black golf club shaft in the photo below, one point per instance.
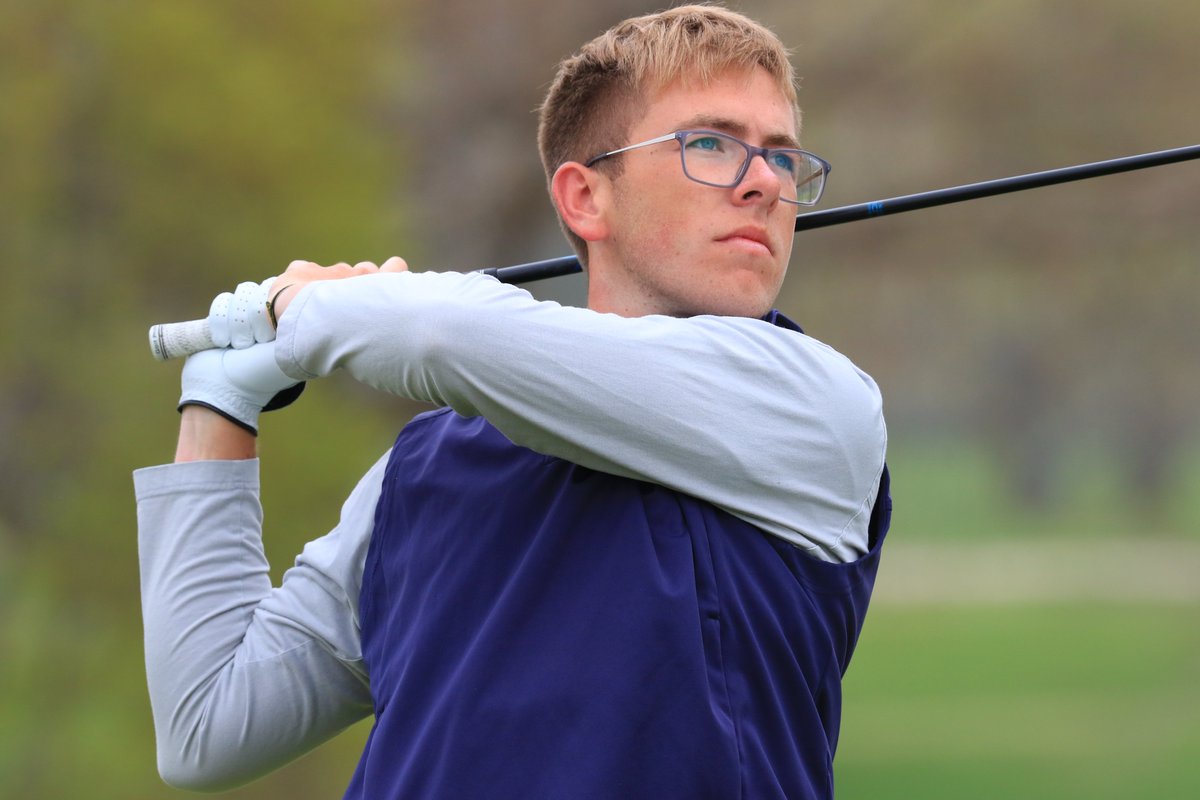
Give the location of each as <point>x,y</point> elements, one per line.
<point>568,265</point>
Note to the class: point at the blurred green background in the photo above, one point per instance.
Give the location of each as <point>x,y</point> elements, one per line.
<point>1036,629</point>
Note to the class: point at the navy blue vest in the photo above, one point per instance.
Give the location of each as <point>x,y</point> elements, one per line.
<point>536,629</point>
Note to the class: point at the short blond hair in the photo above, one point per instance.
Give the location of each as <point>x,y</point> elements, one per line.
<point>600,91</point>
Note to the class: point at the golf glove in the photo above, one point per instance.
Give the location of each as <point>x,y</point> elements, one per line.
<point>238,384</point>
<point>239,318</point>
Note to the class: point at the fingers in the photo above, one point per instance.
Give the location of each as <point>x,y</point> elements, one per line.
<point>261,329</point>
<point>308,271</point>
<point>241,318</point>
<point>247,315</point>
<point>301,273</point>
<point>305,271</point>
<point>238,318</point>
<point>218,319</point>
<point>240,315</point>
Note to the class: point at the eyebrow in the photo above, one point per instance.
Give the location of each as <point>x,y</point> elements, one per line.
<point>738,129</point>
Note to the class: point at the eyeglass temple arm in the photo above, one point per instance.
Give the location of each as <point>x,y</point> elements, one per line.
<point>569,265</point>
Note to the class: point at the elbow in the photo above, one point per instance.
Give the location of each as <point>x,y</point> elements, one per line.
<point>857,433</point>
<point>184,780</point>
<point>184,766</point>
<point>192,779</point>
<point>858,409</point>
<point>194,751</point>
<point>178,773</point>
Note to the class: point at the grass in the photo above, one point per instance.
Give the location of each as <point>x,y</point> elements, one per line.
<point>1063,701</point>
<point>956,489</point>
<point>1034,698</point>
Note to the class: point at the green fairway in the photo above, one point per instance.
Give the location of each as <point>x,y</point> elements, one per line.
<point>1024,701</point>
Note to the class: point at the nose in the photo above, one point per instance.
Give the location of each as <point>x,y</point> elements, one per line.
<point>759,184</point>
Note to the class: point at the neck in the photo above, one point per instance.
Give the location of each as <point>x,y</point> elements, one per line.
<point>612,289</point>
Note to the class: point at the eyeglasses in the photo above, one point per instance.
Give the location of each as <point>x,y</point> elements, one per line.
<point>721,160</point>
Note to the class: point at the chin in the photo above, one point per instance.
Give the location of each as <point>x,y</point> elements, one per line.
<point>732,305</point>
<point>743,298</point>
<point>753,311</point>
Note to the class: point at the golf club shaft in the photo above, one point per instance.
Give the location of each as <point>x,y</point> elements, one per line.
<point>972,191</point>
<point>569,265</point>
<point>174,340</point>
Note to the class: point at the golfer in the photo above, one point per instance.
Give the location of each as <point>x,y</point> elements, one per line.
<point>630,554</point>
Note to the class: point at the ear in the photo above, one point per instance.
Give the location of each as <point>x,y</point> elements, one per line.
<point>581,196</point>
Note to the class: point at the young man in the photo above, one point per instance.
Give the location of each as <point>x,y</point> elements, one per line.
<point>629,557</point>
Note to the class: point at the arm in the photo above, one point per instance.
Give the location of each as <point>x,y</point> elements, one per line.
<point>205,435</point>
<point>244,677</point>
<point>769,424</point>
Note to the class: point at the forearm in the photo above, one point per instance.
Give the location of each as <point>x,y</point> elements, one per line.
<point>236,687</point>
<point>769,424</point>
<point>205,435</point>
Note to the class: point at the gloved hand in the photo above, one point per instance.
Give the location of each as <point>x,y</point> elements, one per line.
<point>239,319</point>
<point>238,384</point>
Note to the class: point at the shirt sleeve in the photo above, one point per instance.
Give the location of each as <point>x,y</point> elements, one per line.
<point>764,422</point>
<point>244,677</point>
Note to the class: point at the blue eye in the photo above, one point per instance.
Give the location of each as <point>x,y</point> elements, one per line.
<point>712,144</point>
<point>785,162</point>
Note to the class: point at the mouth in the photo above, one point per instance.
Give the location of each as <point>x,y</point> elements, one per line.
<point>750,238</point>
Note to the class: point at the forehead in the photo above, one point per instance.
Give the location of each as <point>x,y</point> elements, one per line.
<point>748,102</point>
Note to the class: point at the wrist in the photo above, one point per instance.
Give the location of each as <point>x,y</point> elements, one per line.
<point>280,300</point>
<point>205,435</point>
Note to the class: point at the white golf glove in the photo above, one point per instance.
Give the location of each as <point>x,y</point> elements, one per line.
<point>239,318</point>
<point>238,384</point>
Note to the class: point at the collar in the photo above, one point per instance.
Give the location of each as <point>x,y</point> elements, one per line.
<point>777,318</point>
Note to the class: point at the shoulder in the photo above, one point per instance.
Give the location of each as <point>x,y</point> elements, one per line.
<point>776,343</point>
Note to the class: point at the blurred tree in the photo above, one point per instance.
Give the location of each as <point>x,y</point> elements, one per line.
<point>1052,324</point>
<point>152,154</point>
<point>485,67</point>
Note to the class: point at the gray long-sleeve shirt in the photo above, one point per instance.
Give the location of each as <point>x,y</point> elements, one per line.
<point>770,425</point>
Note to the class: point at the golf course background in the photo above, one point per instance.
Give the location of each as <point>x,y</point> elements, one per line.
<point>1036,627</point>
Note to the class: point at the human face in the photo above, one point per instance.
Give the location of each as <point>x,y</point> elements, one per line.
<point>682,248</point>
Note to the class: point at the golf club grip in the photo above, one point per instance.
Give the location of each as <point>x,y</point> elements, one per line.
<point>180,339</point>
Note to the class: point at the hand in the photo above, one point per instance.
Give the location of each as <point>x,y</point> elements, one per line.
<point>238,384</point>
<point>239,318</point>
<point>301,273</point>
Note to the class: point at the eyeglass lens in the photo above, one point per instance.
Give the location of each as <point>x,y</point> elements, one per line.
<point>716,159</point>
